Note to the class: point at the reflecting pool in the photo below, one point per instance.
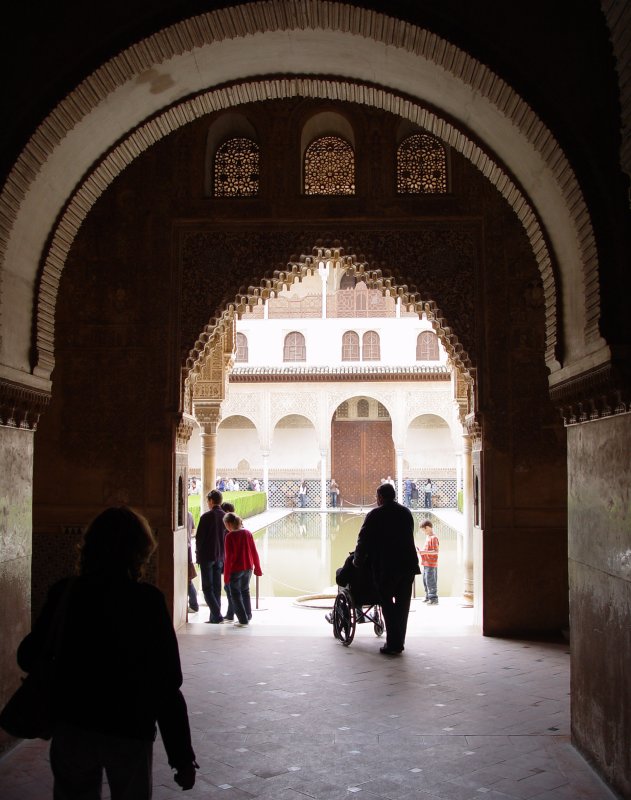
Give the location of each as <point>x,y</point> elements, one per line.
<point>300,553</point>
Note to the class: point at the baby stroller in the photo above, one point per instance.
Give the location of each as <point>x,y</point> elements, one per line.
<point>356,602</point>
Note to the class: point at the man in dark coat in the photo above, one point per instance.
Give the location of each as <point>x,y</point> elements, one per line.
<point>386,541</point>
<point>210,554</point>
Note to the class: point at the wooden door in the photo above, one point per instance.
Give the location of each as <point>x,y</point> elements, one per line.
<point>362,453</point>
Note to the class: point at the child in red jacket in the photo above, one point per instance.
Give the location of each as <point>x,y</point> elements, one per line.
<point>240,558</point>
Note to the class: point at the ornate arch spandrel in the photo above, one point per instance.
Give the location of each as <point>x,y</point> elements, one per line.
<point>203,361</point>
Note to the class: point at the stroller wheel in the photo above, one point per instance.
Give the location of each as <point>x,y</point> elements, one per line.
<point>343,619</point>
<point>379,626</point>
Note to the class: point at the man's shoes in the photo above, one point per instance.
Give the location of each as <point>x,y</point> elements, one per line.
<point>432,602</point>
<point>230,619</point>
<point>388,651</point>
<point>426,600</point>
<point>238,624</point>
<point>215,621</point>
<point>193,610</point>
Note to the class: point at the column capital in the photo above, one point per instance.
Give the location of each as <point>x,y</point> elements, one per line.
<point>208,416</point>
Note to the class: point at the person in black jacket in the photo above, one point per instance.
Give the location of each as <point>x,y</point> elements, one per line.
<point>210,554</point>
<point>386,541</point>
<point>117,668</point>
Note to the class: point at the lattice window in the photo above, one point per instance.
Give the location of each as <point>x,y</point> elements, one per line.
<point>342,410</point>
<point>363,408</point>
<point>236,169</point>
<point>382,411</point>
<point>371,350</point>
<point>242,347</point>
<point>350,346</point>
<point>421,165</point>
<point>295,348</point>
<point>329,167</point>
<point>427,347</point>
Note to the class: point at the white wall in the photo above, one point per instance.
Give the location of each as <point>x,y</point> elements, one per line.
<point>323,340</point>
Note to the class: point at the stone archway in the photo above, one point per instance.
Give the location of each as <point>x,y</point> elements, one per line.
<point>419,72</point>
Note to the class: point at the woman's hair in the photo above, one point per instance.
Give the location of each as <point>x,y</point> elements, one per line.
<point>117,541</point>
<point>233,519</point>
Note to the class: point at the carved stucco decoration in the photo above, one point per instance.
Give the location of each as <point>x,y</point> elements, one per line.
<point>209,379</point>
<point>411,300</point>
<point>209,362</point>
<point>184,432</point>
<point>282,405</point>
<point>248,20</point>
<point>245,404</point>
<point>208,416</point>
<point>20,406</point>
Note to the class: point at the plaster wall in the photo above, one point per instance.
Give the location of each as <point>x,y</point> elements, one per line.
<point>599,507</point>
<point>16,487</point>
<point>294,448</point>
<point>430,447</point>
<point>397,340</point>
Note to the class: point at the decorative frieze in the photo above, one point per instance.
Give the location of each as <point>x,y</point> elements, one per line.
<point>602,392</point>
<point>21,406</point>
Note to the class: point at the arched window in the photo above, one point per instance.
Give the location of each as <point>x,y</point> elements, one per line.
<point>421,165</point>
<point>371,351</point>
<point>242,347</point>
<point>427,346</point>
<point>350,346</point>
<point>342,410</point>
<point>382,411</point>
<point>236,169</point>
<point>294,349</point>
<point>363,409</point>
<point>329,167</point>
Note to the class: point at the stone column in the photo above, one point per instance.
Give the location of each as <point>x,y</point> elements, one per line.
<point>208,416</point>
<point>467,508</point>
<point>399,478</point>
<point>265,455</point>
<point>323,464</point>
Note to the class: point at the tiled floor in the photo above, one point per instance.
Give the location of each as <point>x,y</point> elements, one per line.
<point>283,711</point>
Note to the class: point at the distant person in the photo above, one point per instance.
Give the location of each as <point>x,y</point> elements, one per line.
<point>302,494</point>
<point>256,486</point>
<point>193,604</point>
<point>118,668</point>
<point>241,559</point>
<point>334,491</point>
<point>407,492</point>
<point>414,493</point>
<point>210,554</point>
<point>386,541</point>
<point>429,560</point>
<point>390,480</point>
<point>428,489</point>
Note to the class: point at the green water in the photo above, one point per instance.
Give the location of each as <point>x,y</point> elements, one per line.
<point>300,553</point>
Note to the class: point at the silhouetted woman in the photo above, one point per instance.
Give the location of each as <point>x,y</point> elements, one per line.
<point>117,669</point>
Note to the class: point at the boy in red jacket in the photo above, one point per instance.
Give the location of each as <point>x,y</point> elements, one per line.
<point>240,558</point>
<point>429,559</point>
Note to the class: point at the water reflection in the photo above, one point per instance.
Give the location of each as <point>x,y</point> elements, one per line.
<point>300,552</point>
